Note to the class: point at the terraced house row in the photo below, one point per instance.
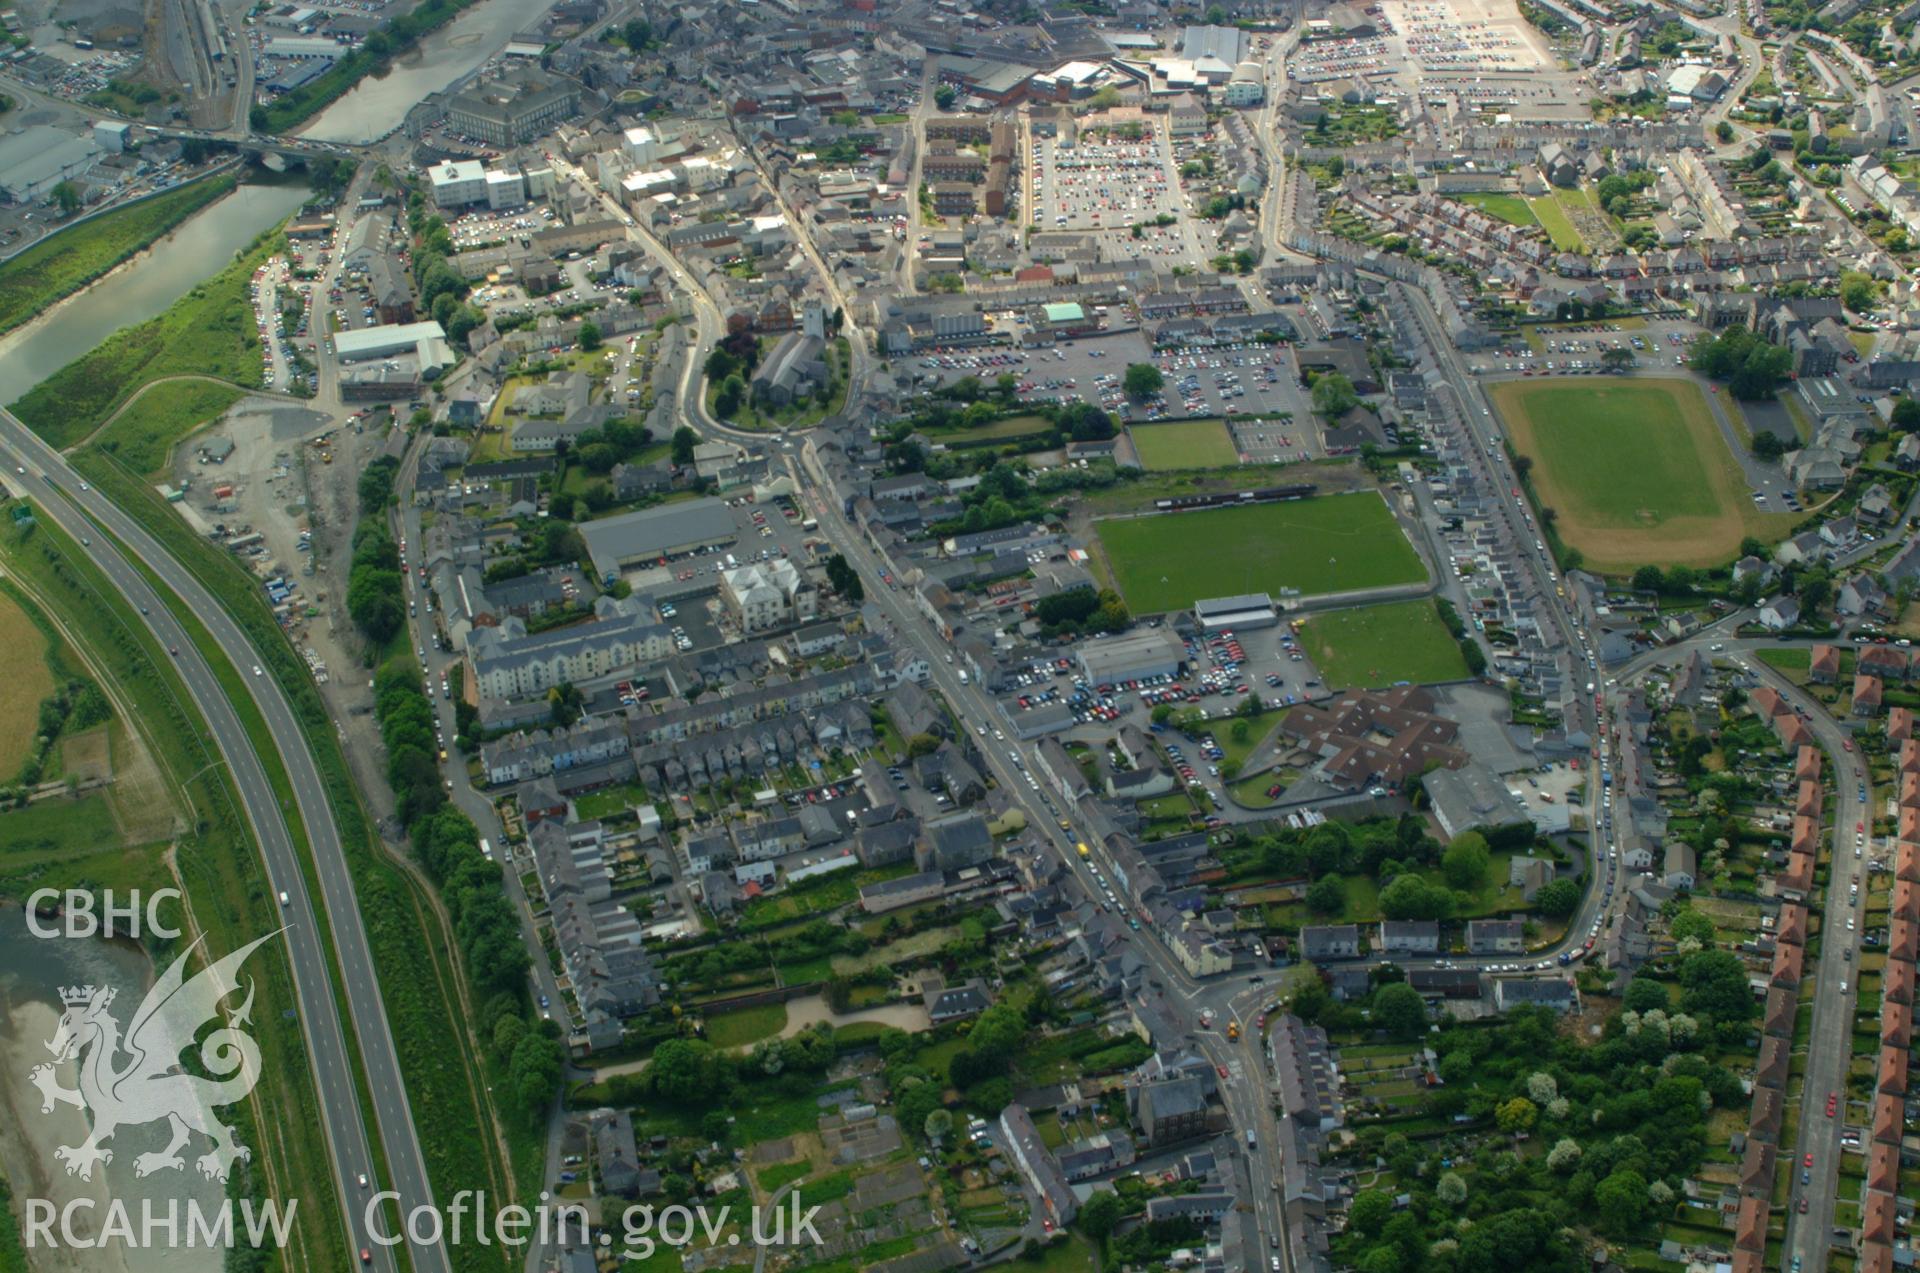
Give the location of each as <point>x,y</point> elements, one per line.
<point>1880,1201</point>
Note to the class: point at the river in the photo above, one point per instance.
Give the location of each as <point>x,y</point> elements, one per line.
<point>32,971</point>
<point>142,287</point>
<point>375,107</point>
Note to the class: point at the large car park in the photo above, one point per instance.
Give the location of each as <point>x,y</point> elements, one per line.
<point>1244,379</point>
<point>1658,347</point>
<point>1106,184</point>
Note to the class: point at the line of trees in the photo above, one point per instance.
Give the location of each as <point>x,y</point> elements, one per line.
<point>1750,366</point>
<point>375,597</point>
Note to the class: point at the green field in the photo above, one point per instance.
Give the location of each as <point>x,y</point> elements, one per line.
<point>59,266</point>
<point>1375,646</point>
<point>1014,426</point>
<point>208,332</point>
<point>1334,543</point>
<point>1636,472</point>
<point>143,435</point>
<point>1510,208</point>
<point>747,1026</point>
<point>23,657</point>
<point>1190,444</point>
<point>1553,219</point>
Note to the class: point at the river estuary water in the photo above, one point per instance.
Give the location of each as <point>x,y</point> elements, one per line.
<point>32,971</point>
<point>375,107</point>
<point>143,287</point>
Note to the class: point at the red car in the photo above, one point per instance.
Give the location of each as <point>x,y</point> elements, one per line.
<point>1803,1206</point>
<point>1808,1160</point>
<point>1833,1104</point>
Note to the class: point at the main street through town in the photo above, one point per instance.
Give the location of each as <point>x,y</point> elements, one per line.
<point>1238,998</point>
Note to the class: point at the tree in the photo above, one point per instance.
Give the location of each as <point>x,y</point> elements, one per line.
<point>1688,922</point>
<point>590,336</point>
<point>1723,131</point>
<point>687,1070</point>
<point>728,397</point>
<point>534,1073</point>
<point>1557,898</point>
<point>1564,1155</point>
<point>1327,896</point>
<point>916,1103</point>
<point>1815,592</point>
<point>1622,1201</point>
<point>1369,1211</point>
<point>1766,445</point>
<point>67,195</point>
<point>684,440</point>
<point>1466,861</point>
<point>921,745</point>
<point>938,1126</point>
<point>1516,1115</point>
<point>1716,986</point>
<point>1644,994</point>
<point>1858,291</point>
<point>638,34</point>
<point>1648,579</point>
<point>1451,1190</point>
<point>1143,380</point>
<point>1751,366</point>
<point>1100,1215</point>
<point>945,96</point>
<point>1399,1010</point>
<point>1334,396</point>
<point>1618,358</point>
<point>1410,897</point>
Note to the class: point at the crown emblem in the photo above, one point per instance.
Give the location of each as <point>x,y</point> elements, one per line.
<point>76,996</point>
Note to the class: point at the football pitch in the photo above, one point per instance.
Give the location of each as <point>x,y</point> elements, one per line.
<point>1637,472</point>
<point>1371,647</point>
<point>1191,444</point>
<point>1335,543</point>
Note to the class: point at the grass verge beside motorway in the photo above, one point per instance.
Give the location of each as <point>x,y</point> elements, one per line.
<point>208,332</point>
<point>66,261</point>
<point>440,1076</point>
<point>215,860</point>
<point>157,417</point>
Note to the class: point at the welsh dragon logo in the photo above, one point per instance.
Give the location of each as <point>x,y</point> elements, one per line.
<point>151,1085</point>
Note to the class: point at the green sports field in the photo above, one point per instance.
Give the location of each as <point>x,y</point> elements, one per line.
<point>1637,472</point>
<point>1510,208</point>
<point>1553,219</point>
<point>1190,444</point>
<point>1335,543</point>
<point>1373,646</point>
